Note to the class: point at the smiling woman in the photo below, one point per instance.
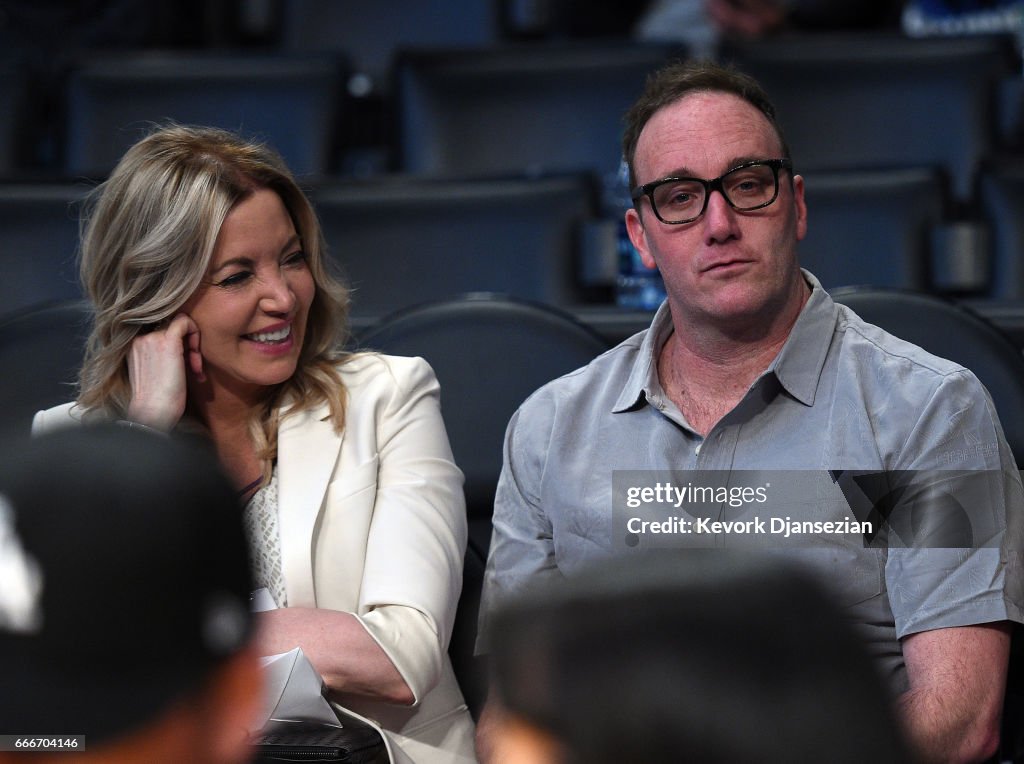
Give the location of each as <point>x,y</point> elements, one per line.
<point>251,310</point>
<point>214,312</point>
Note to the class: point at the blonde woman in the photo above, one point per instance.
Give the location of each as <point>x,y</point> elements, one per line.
<point>204,262</point>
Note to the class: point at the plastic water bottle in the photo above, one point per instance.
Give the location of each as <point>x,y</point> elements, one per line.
<point>637,287</point>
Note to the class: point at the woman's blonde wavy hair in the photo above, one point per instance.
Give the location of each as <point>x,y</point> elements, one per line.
<point>148,234</point>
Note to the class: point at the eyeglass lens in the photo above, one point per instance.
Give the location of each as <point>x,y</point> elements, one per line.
<point>745,188</point>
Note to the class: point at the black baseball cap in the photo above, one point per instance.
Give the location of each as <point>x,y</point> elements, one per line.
<point>124,578</point>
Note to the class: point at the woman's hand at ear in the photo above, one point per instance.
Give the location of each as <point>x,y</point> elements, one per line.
<point>158,365</point>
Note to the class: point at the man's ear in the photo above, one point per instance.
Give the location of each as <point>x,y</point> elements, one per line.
<point>801,207</point>
<point>638,235</point>
<point>234,700</point>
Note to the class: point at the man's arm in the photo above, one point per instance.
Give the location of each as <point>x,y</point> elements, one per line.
<point>522,553</point>
<point>957,681</point>
<point>954,602</point>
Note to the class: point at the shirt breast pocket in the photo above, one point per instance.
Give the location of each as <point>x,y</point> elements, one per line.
<point>853,575</point>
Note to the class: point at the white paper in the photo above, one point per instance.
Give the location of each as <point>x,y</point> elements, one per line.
<point>261,600</point>
<point>293,692</point>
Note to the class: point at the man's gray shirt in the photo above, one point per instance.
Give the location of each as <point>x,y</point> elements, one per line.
<point>842,395</point>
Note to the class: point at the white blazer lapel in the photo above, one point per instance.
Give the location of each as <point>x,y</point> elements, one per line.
<point>307,451</point>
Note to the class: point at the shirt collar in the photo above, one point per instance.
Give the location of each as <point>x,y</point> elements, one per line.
<point>643,378</point>
<point>797,366</point>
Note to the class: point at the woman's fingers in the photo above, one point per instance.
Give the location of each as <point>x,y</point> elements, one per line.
<point>157,372</point>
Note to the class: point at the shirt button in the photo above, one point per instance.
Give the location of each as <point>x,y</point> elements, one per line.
<point>696,451</point>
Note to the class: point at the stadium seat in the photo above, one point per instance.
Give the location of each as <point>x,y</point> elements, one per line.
<point>876,100</point>
<point>288,101</point>
<point>489,353</point>
<point>530,108</point>
<point>41,351</point>
<point>404,241</point>
<point>872,226</point>
<point>38,241</point>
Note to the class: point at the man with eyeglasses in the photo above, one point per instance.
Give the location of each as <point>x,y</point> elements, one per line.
<point>750,365</point>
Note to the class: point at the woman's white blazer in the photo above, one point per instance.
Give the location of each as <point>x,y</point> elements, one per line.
<point>373,523</point>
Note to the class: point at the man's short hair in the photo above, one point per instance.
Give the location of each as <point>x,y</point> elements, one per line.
<point>124,579</point>
<point>675,81</point>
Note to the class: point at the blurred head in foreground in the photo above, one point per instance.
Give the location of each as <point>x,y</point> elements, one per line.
<point>701,658</point>
<point>124,587</point>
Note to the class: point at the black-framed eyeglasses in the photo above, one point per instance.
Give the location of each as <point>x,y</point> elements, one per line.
<point>750,186</point>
